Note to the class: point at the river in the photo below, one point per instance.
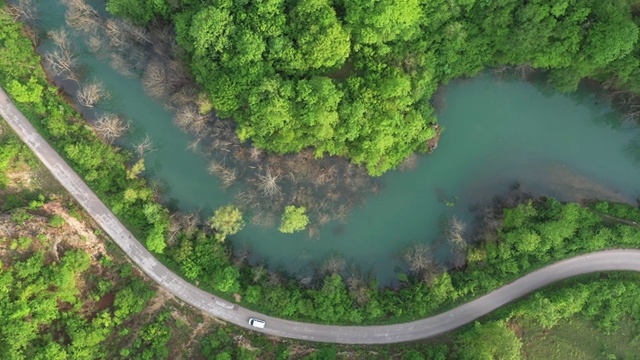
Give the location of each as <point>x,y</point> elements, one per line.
<point>497,133</point>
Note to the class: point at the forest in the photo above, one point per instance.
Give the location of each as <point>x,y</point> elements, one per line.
<point>355,78</point>
<point>83,301</point>
<point>551,231</point>
<point>336,294</point>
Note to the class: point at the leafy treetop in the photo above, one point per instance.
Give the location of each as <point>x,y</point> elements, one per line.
<point>272,65</point>
<point>294,219</point>
<point>227,220</point>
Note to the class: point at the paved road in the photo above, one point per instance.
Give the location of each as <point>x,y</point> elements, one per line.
<point>600,261</point>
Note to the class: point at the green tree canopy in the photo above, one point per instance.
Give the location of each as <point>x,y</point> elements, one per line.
<point>489,341</point>
<point>272,65</point>
<point>294,219</point>
<point>227,220</point>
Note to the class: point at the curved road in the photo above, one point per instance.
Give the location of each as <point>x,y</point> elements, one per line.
<point>600,261</point>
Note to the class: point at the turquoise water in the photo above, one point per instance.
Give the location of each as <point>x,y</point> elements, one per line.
<point>496,134</point>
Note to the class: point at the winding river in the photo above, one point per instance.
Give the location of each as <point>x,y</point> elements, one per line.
<point>497,133</point>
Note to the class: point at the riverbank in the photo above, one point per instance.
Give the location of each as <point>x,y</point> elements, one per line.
<point>201,259</point>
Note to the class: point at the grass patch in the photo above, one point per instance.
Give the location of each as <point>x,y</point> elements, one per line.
<point>579,338</point>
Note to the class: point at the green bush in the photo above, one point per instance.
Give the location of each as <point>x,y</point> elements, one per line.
<point>294,219</point>
<point>56,221</point>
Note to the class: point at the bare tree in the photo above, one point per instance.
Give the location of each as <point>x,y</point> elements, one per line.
<point>264,218</point>
<point>313,231</point>
<point>491,221</point>
<point>334,264</point>
<point>91,94</point>
<point>173,230</point>
<point>275,279</point>
<point>94,43</point>
<point>454,233</point>
<point>163,40</point>
<point>222,145</point>
<point>144,146</point>
<point>24,10</point>
<point>342,213</point>
<point>268,185</point>
<point>120,64</point>
<point>409,163</point>
<point>190,222</point>
<point>135,32</point>
<point>628,103</point>
<point>242,254</point>
<point>155,79</point>
<point>186,223</point>
<point>258,272</point>
<point>255,153</point>
<point>111,127</point>
<point>357,287</point>
<point>632,115</point>
<point>226,174</point>
<point>82,16</point>
<point>323,218</point>
<point>248,198</point>
<point>524,71</point>
<point>418,257</point>
<point>193,145</point>
<point>499,72</point>
<point>184,96</point>
<point>178,76</point>
<point>115,32</point>
<point>188,118</point>
<point>60,37</point>
<point>62,61</point>
<point>225,129</point>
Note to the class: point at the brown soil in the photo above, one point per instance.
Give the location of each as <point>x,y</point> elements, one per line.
<point>105,302</point>
<point>432,144</point>
<point>198,331</point>
<point>20,180</point>
<point>36,225</point>
<point>87,240</point>
<point>237,297</point>
<point>243,342</point>
<point>516,328</point>
<point>161,299</point>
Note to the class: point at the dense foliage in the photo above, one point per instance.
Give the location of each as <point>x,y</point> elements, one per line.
<point>354,78</point>
<point>529,236</point>
<point>294,219</point>
<point>49,305</point>
<point>605,300</point>
<point>102,167</point>
<point>227,220</point>
<point>38,287</point>
<point>10,148</point>
<point>489,341</point>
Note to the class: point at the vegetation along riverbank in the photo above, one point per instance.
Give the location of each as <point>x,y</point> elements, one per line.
<point>515,235</point>
<point>335,295</point>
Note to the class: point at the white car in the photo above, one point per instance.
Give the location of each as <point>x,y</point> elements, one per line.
<point>257,323</point>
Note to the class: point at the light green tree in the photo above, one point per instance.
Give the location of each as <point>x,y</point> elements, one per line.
<point>227,220</point>
<point>489,341</point>
<point>294,219</point>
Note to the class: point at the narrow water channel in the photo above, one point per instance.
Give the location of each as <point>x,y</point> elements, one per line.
<point>496,133</point>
